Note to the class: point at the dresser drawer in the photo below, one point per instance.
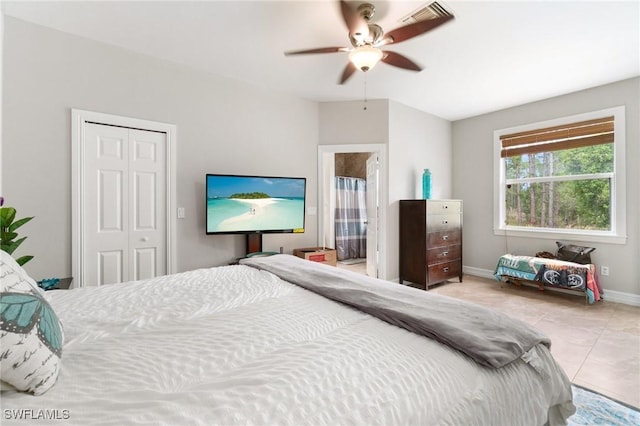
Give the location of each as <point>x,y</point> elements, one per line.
<point>441,222</point>
<point>444,238</point>
<point>443,271</point>
<point>443,254</point>
<point>444,206</point>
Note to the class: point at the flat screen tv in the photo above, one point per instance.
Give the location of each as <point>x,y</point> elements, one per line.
<point>238,204</point>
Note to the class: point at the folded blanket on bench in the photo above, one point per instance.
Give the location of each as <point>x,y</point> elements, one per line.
<point>551,272</point>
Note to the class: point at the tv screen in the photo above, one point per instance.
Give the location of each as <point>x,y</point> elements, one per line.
<point>254,204</point>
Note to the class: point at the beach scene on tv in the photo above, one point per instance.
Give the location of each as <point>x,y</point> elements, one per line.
<point>243,203</point>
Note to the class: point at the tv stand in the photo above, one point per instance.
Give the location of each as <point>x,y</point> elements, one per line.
<point>254,243</point>
<point>260,254</point>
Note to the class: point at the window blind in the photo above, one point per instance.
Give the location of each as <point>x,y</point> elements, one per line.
<point>567,136</point>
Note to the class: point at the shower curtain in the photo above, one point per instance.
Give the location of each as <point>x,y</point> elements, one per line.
<point>350,218</point>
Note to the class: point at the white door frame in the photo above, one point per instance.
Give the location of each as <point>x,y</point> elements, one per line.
<point>373,206</point>
<point>326,158</point>
<point>78,120</point>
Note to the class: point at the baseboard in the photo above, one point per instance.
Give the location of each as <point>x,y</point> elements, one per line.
<point>622,297</point>
<point>478,272</point>
<point>609,295</point>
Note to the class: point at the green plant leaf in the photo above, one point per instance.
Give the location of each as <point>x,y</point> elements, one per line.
<point>7,248</point>
<point>18,223</point>
<point>8,226</point>
<point>7,214</point>
<point>11,246</point>
<point>23,259</point>
<point>8,236</point>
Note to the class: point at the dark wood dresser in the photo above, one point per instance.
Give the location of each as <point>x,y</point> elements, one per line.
<point>430,241</point>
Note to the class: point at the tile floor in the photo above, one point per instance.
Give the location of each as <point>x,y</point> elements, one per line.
<point>597,345</point>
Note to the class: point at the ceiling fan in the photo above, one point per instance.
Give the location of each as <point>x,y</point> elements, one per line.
<point>366,39</point>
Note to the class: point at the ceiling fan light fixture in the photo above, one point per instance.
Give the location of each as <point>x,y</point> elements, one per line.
<point>365,57</point>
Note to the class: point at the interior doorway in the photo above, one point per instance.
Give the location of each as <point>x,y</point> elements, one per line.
<point>367,163</point>
<point>350,218</point>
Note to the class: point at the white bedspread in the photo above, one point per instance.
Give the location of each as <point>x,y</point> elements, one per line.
<point>235,345</point>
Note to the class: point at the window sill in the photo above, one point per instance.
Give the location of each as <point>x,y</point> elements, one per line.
<point>580,236</point>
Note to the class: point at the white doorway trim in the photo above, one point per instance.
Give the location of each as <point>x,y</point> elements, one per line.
<point>78,120</point>
<point>1,79</point>
<point>326,170</point>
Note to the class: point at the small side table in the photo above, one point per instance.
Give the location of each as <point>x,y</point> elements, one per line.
<point>63,284</point>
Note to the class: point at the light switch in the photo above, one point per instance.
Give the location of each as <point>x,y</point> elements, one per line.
<point>180,212</point>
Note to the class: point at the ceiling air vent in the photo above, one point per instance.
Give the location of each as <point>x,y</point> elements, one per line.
<point>429,11</point>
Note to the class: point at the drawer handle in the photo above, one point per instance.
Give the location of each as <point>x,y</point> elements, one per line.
<point>445,253</point>
<point>445,237</point>
<point>445,222</point>
<point>445,206</point>
<point>445,269</point>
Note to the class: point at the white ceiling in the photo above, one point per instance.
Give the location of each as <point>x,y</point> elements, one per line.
<point>494,55</point>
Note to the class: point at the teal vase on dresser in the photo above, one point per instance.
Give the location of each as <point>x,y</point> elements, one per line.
<point>426,184</point>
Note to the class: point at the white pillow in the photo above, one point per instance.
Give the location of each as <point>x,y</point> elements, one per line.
<point>31,335</point>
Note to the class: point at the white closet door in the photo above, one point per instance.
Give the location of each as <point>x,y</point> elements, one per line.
<point>147,236</point>
<point>125,199</point>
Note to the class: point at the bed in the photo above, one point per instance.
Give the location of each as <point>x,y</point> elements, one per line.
<point>244,345</point>
<point>550,273</point>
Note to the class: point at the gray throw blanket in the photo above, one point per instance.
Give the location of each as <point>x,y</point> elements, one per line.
<point>491,338</point>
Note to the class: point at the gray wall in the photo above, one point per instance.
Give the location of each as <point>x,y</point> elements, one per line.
<point>344,123</point>
<point>473,181</point>
<point>222,126</point>
<point>417,141</point>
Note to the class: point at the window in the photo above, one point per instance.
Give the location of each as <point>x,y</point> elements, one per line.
<point>563,178</point>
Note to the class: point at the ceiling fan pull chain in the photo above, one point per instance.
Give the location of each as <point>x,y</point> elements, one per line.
<point>365,93</point>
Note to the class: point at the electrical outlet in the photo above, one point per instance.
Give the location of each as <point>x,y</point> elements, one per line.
<point>604,271</point>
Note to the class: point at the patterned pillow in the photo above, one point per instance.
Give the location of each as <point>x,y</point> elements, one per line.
<point>31,335</point>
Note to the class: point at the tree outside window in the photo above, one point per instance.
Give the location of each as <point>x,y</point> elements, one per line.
<point>567,189</point>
